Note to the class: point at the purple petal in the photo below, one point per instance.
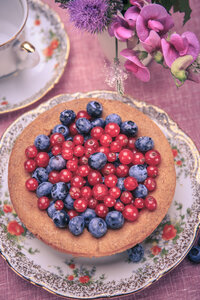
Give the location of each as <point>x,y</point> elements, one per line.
<point>180,44</point>
<point>141,29</point>
<point>169,52</point>
<point>152,43</point>
<point>155,25</point>
<point>169,23</point>
<point>132,14</point>
<point>153,11</point>
<point>122,33</point>
<point>193,48</point>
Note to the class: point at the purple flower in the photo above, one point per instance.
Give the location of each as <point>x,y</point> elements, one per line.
<point>139,3</point>
<point>177,46</point>
<point>89,15</point>
<point>152,43</point>
<point>121,28</point>
<point>134,65</point>
<point>153,17</point>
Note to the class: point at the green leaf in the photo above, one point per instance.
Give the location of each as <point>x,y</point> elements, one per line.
<point>183,6</point>
<point>167,4</point>
<point>164,252</point>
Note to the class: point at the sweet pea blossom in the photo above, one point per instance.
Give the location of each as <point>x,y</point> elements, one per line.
<point>179,66</point>
<point>153,17</point>
<point>139,3</point>
<point>152,42</point>
<point>180,45</point>
<point>134,65</point>
<point>120,28</point>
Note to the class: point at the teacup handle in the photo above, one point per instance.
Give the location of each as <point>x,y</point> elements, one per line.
<point>31,59</point>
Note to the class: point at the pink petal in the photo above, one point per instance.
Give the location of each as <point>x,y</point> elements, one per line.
<point>122,33</point>
<point>131,15</point>
<point>169,52</point>
<point>193,48</point>
<point>141,28</point>
<point>152,43</point>
<point>153,11</point>
<point>155,25</point>
<point>180,44</point>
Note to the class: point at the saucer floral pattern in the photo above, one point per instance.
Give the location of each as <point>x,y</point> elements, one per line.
<point>80,277</point>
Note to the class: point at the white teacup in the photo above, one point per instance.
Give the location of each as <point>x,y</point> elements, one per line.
<point>15,52</point>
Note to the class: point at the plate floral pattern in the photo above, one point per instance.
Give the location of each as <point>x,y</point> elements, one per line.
<point>86,278</point>
<point>46,32</point>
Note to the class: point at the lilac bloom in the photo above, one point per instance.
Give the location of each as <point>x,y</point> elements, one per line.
<point>153,17</point>
<point>134,65</point>
<point>186,44</point>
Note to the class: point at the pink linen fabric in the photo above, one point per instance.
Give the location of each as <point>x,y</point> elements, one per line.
<point>85,72</point>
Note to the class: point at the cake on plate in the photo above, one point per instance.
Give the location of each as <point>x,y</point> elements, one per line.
<point>91,177</point>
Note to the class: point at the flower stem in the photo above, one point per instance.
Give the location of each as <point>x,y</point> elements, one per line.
<point>116,59</point>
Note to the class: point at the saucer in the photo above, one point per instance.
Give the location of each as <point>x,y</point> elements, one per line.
<point>109,276</point>
<point>46,32</point>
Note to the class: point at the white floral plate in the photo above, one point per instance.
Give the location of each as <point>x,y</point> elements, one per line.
<point>46,32</point>
<point>115,275</point>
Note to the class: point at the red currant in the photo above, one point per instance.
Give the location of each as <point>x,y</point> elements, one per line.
<point>56,139</point>
<point>56,150</point>
<point>89,151</point>
<point>77,181</point>
<point>80,204</point>
<point>122,138</point>
<point>31,151</point>
<point>78,139</point>
<point>30,165</point>
<point>139,203</point>
<point>150,203</point>
<point>68,144</point>
<point>130,213</point>
<point>103,149</point>
<point>65,175</point>
<point>111,156</point>
<point>42,159</point>
<point>126,156</point>
<point>152,171</point>
<point>119,206</point>
<point>97,132</point>
<point>131,143</point>
<point>99,191</point>
<point>83,114</point>
<point>75,192</point>
<point>92,203</point>
<point>59,204</point>
<point>67,153</point>
<point>83,160</point>
<point>115,192</point>
<point>93,143</point>
<point>130,183</point>
<point>108,169</point>
<point>138,158</point>
<point>86,192</point>
<point>101,210</point>
<point>43,202</point>
<point>105,140</point>
<point>31,184</point>
<point>110,180</point>
<point>150,184</point>
<point>72,164</point>
<point>152,157</point>
<point>112,129</point>
<point>79,150</point>
<point>109,201</point>
<point>54,177</point>
<point>122,170</point>
<point>72,129</point>
<point>94,177</point>
<point>83,170</point>
<point>115,146</point>
<point>126,197</point>
<point>72,213</point>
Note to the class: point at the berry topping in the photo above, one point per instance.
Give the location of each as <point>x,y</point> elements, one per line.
<point>97,160</point>
<point>31,151</point>
<point>144,143</point>
<point>31,184</point>
<point>150,203</point>
<point>114,219</point>
<point>97,227</point>
<point>76,225</point>
<point>67,117</point>
<point>152,157</point>
<point>94,109</point>
<point>129,128</point>
<point>43,202</point>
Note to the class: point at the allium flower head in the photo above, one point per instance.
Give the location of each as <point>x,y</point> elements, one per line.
<point>89,15</point>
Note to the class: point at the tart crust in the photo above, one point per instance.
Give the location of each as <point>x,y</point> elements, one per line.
<point>115,241</point>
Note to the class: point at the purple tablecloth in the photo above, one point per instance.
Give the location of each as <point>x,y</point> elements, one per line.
<point>85,72</point>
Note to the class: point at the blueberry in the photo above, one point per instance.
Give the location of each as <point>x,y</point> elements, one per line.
<point>129,128</point>
<point>76,225</point>
<point>97,160</point>
<point>136,253</point>
<point>194,254</point>
<point>41,175</point>
<point>51,209</point>
<point>60,218</point>
<point>144,143</point>
<point>100,122</point>
<point>83,125</point>
<point>88,215</point>
<point>69,138</point>
<point>49,169</point>
<point>42,142</point>
<point>114,219</point>
<point>87,137</point>
<point>97,227</point>
<point>68,202</point>
<point>59,191</point>
<point>113,118</point>
<point>139,172</point>
<point>94,109</point>
<point>140,191</point>
<point>60,128</point>
<point>57,163</point>
<point>120,183</point>
<point>67,117</point>
<point>44,189</point>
